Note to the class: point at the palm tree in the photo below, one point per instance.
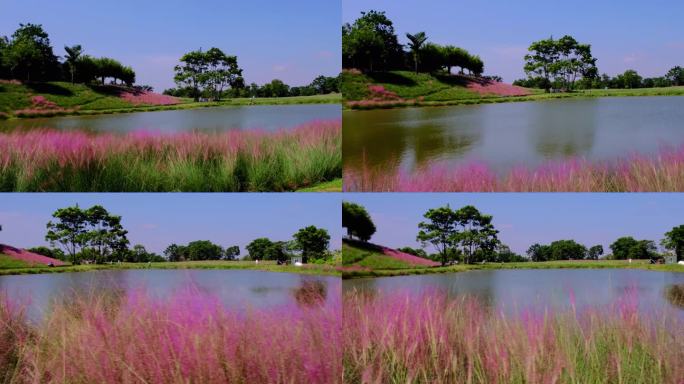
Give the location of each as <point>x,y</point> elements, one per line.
<point>416,41</point>
<point>73,54</point>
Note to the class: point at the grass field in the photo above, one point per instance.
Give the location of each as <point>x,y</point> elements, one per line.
<point>431,90</point>
<point>7,262</point>
<point>399,337</point>
<point>233,161</point>
<point>377,265</point>
<point>330,186</point>
<point>79,99</point>
<point>9,267</point>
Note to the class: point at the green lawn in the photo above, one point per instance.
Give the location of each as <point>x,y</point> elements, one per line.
<point>309,269</point>
<point>92,100</point>
<point>442,90</point>
<point>330,186</point>
<point>7,262</point>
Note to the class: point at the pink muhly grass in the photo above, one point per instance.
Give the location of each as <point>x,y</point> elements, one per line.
<point>30,157</point>
<point>432,338</point>
<point>148,98</point>
<point>190,337</point>
<point>663,172</point>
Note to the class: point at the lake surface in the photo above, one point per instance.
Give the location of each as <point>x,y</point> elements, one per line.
<point>236,289</point>
<point>214,119</point>
<point>511,134</point>
<point>513,290</point>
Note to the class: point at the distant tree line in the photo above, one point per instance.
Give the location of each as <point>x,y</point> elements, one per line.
<point>28,55</point>
<point>467,235</point>
<point>311,243</point>
<point>321,85</point>
<point>371,44</point>
<point>565,64</point>
<point>95,236</point>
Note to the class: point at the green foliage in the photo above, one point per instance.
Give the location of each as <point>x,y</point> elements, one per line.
<point>415,252</point>
<point>312,242</point>
<point>92,235</point>
<point>28,54</point>
<point>370,43</point>
<point>595,252</point>
<point>200,250</point>
<point>54,253</point>
<point>211,72</point>
<point>564,61</point>
<point>357,221</point>
<point>465,232</point>
<point>629,248</point>
<point>674,240</point>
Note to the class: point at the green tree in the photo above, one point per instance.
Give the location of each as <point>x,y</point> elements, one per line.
<point>222,71</point>
<point>278,88</point>
<point>629,248</point>
<point>674,240</point>
<point>538,252</point>
<point>72,56</point>
<point>567,250</point>
<point>312,241</point>
<point>175,252</point>
<point>414,251</point>
<point>629,79</point>
<point>29,53</point>
<point>231,253</point>
<point>54,253</point>
<point>595,252</point>
<point>564,60</point>
<point>476,235</point>
<point>204,250</point>
<point>675,76</point>
<point>370,42</point>
<point>416,41</point>
<point>357,221</point>
<point>439,230</point>
<point>190,73</point>
<point>69,231</point>
<point>104,234</point>
<point>260,248</point>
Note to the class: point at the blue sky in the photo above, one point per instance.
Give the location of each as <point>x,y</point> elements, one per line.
<point>647,36</point>
<point>157,220</point>
<point>294,41</point>
<point>527,218</point>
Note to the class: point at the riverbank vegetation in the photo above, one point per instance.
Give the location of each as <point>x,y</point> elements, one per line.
<point>115,338</point>
<point>286,160</point>
<point>455,240</point>
<point>433,338</point>
<point>663,172</point>
<point>379,72</point>
<point>82,239</point>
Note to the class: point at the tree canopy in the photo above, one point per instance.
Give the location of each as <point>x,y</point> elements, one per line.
<point>357,221</point>
<point>561,61</point>
<point>211,71</point>
<point>312,242</point>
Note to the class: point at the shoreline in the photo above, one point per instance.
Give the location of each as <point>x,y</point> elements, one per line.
<point>590,94</point>
<point>315,269</point>
<point>238,102</point>
<point>361,274</point>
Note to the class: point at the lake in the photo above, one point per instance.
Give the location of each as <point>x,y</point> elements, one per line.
<point>512,290</point>
<point>511,134</point>
<point>214,119</point>
<point>236,289</point>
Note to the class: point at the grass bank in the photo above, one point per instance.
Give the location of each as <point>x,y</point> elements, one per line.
<point>579,264</point>
<point>430,338</point>
<point>363,263</point>
<point>425,90</point>
<point>79,99</point>
<point>330,186</point>
<point>19,268</point>
<point>63,161</point>
<point>189,338</point>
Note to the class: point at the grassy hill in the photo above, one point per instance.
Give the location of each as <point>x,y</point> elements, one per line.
<point>80,99</point>
<point>371,256</point>
<point>7,262</point>
<point>424,89</point>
